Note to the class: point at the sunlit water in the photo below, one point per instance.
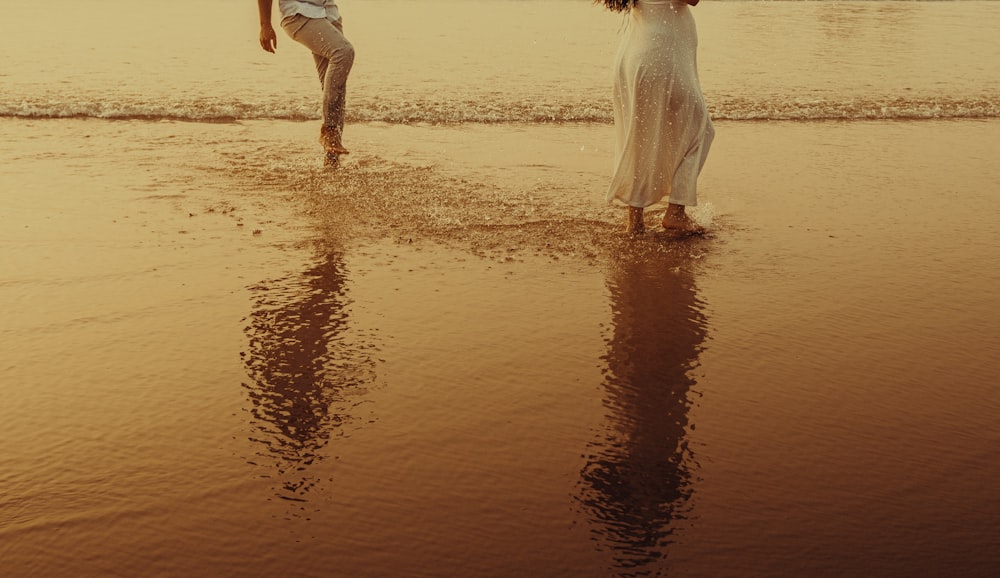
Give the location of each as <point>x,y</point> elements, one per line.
<point>219,358</point>
<point>498,61</point>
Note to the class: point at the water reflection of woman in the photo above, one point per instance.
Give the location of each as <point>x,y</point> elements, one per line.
<point>307,368</point>
<point>637,479</point>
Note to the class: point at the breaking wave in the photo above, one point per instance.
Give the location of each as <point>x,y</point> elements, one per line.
<point>493,111</point>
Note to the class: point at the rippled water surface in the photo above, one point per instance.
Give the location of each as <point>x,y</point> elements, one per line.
<point>502,60</point>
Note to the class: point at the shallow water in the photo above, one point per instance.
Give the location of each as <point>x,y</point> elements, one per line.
<point>220,358</point>
<point>266,361</point>
<point>448,61</point>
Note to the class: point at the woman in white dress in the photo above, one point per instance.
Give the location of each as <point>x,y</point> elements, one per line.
<point>662,126</point>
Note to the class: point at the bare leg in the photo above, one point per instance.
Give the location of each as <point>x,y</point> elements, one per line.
<point>635,225</point>
<point>675,220</point>
<point>329,137</point>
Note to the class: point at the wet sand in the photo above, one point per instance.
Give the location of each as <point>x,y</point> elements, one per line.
<point>444,358</point>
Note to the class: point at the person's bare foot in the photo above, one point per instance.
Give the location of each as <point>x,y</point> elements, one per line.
<point>331,142</point>
<point>675,220</point>
<point>635,225</point>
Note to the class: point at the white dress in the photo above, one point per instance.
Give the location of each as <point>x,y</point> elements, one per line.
<point>662,126</point>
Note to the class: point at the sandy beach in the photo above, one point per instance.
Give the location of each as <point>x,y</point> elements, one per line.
<point>210,356</point>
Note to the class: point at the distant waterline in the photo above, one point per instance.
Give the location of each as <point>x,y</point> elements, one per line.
<point>446,111</point>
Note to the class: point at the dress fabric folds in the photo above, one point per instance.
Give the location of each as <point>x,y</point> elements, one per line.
<point>662,127</point>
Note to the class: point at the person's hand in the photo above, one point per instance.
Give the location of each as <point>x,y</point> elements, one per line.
<point>268,39</point>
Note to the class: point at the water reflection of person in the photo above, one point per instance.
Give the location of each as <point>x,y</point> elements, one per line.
<point>307,368</point>
<point>637,479</point>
